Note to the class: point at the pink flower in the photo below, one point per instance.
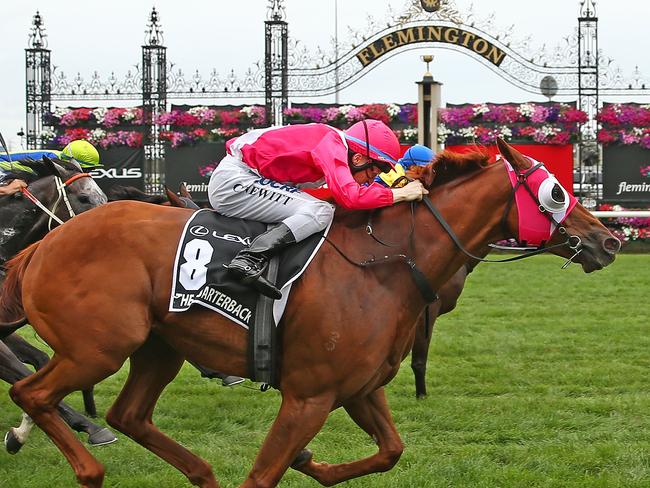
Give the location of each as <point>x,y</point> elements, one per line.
<point>230,117</point>
<point>540,114</point>
<point>355,114</point>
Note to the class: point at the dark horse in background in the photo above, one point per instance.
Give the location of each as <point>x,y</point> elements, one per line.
<point>23,223</point>
<point>448,296</point>
<point>373,310</point>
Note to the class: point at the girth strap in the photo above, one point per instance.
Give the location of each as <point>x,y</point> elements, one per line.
<point>262,336</point>
<point>421,282</point>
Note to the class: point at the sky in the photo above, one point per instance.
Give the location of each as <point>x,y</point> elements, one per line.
<point>88,35</point>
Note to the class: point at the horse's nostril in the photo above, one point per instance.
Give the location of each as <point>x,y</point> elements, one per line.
<point>612,245</point>
<point>84,198</point>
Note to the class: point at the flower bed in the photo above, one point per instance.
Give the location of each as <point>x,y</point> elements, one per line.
<point>99,137</point>
<point>103,127</point>
<point>627,229</point>
<point>196,124</point>
<point>624,123</point>
<point>526,123</point>
<point>541,123</point>
<point>100,116</point>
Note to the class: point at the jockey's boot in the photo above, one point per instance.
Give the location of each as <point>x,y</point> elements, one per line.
<point>249,264</point>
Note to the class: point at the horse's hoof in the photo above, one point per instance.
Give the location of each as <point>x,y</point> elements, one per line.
<point>12,444</point>
<point>421,396</point>
<point>101,437</point>
<point>303,458</point>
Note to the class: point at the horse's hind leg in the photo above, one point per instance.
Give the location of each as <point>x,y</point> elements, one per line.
<point>372,414</point>
<point>153,366</point>
<point>29,354</point>
<point>39,394</point>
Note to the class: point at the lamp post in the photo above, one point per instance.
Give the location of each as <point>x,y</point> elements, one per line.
<point>428,104</point>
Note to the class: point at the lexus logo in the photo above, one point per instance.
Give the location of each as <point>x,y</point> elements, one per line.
<point>199,231</point>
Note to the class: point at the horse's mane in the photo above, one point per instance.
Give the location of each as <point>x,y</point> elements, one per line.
<point>449,165</point>
<point>132,193</point>
<point>19,171</point>
<point>30,170</point>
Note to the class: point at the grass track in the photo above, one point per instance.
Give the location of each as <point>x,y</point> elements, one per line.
<point>538,379</point>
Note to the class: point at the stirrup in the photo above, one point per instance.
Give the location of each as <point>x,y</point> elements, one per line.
<point>264,286</point>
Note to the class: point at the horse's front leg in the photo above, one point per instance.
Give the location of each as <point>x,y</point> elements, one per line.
<point>297,422</point>
<point>372,414</point>
<point>24,351</point>
<point>420,352</point>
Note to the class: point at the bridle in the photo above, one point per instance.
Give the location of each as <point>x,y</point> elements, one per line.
<point>60,188</point>
<point>62,195</point>
<point>573,242</point>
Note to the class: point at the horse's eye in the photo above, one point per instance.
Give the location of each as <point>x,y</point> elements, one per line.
<point>83,198</point>
<point>557,194</point>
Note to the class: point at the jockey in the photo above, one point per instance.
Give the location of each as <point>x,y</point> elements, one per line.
<point>80,151</point>
<point>417,155</point>
<point>262,173</point>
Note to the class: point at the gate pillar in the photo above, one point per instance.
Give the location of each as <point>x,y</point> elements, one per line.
<point>276,63</point>
<point>429,99</point>
<point>154,102</point>
<point>38,82</point>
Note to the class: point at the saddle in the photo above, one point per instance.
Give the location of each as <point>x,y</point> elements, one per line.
<point>210,240</point>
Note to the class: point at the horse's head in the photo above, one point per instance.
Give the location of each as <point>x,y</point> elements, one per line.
<point>61,187</point>
<point>485,204</point>
<point>543,213</point>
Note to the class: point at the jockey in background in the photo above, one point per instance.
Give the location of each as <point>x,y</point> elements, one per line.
<point>417,155</point>
<point>80,151</point>
<point>263,171</point>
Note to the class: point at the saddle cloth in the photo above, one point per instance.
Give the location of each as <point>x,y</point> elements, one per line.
<point>208,242</point>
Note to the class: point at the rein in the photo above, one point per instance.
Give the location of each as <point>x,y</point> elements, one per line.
<point>527,254</point>
<point>62,195</point>
<point>428,294</point>
<point>573,242</point>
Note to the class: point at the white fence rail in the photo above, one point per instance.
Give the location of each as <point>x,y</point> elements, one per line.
<point>603,214</point>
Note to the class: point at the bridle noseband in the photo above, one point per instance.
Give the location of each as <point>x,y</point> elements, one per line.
<point>62,195</point>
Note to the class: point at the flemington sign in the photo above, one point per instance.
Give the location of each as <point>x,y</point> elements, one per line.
<point>431,33</point>
<point>626,173</point>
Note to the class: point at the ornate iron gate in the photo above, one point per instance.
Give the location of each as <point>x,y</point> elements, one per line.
<point>576,68</point>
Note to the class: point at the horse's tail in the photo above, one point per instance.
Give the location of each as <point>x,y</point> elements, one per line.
<point>12,314</point>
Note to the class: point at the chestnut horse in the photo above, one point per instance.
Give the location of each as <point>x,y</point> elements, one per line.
<point>373,309</point>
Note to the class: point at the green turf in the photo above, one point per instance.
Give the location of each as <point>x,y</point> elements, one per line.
<point>538,379</point>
